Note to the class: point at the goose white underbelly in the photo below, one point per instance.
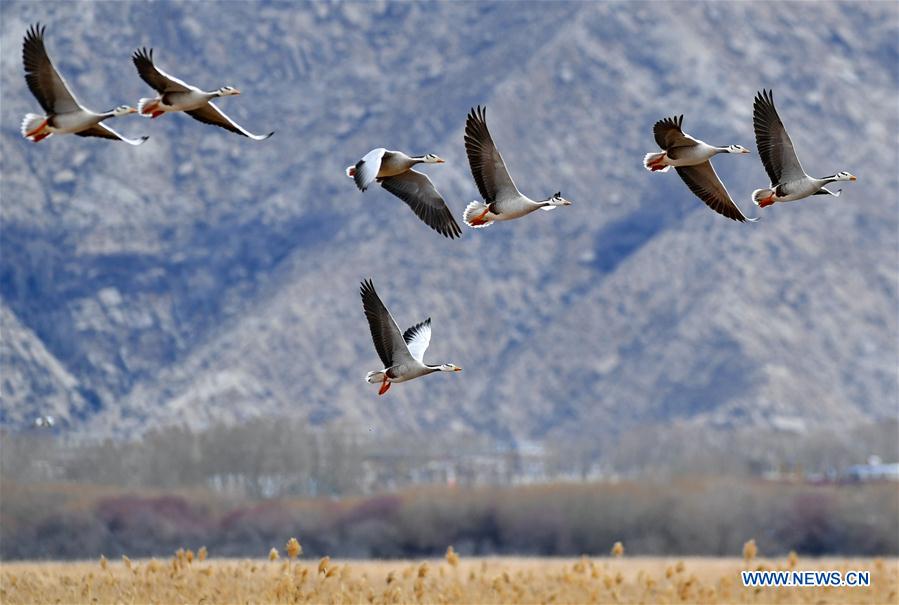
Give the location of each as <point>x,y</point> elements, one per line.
<point>183,101</point>
<point>690,156</point>
<point>393,165</point>
<point>409,371</point>
<point>513,209</point>
<point>76,121</point>
<point>401,372</point>
<point>797,190</point>
<point>388,171</point>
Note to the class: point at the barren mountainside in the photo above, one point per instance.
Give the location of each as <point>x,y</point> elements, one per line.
<point>204,276</point>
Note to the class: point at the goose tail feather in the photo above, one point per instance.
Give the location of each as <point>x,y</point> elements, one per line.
<point>374,377</point>
<point>146,106</point>
<point>31,124</point>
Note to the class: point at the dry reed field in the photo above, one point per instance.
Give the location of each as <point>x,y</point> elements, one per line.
<point>190,578</point>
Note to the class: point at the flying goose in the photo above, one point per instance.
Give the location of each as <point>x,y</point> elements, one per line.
<point>692,160</point>
<point>502,200</point>
<point>393,169</point>
<point>789,182</point>
<point>64,114</point>
<point>44,422</point>
<point>175,95</point>
<point>401,352</point>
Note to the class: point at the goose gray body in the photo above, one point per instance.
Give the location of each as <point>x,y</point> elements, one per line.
<point>691,157</point>
<point>394,171</point>
<point>789,181</point>
<point>64,114</point>
<point>502,199</point>
<point>402,353</point>
<point>178,96</point>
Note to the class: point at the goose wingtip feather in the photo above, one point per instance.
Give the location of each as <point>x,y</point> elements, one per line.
<point>142,54</point>
<point>36,32</point>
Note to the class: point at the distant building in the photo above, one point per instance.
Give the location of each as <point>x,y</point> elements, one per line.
<point>875,470</point>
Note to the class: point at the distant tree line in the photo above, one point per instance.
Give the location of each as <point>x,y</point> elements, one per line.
<point>689,516</point>
<point>241,489</point>
<point>274,457</point>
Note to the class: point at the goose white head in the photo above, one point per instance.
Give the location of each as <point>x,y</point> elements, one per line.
<point>432,159</point>
<point>227,91</point>
<point>448,367</point>
<point>123,110</point>
<point>736,149</point>
<point>843,176</point>
<point>557,200</point>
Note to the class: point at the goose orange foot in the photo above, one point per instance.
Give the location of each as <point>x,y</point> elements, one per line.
<point>479,219</point>
<point>385,384</point>
<point>34,132</point>
<point>768,201</point>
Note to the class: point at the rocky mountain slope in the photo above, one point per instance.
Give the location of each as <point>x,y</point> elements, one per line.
<point>203,276</point>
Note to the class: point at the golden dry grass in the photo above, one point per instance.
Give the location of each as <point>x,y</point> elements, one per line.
<point>451,580</point>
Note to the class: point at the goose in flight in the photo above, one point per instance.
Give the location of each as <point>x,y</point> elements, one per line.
<point>691,159</point>
<point>44,422</point>
<point>63,113</point>
<point>175,95</point>
<point>401,352</point>
<point>789,182</point>
<point>393,170</point>
<point>502,200</point>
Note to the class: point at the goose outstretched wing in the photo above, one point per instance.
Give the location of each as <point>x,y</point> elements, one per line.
<point>417,190</point>
<point>386,335</point>
<point>417,339</point>
<point>774,144</point>
<point>487,166</point>
<point>160,81</point>
<point>669,134</point>
<point>210,114</point>
<point>368,167</point>
<point>105,132</point>
<point>43,80</point>
<point>703,181</point>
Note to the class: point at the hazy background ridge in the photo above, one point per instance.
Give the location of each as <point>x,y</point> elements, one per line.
<point>202,277</point>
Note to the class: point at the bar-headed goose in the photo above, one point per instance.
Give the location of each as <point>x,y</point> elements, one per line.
<point>393,169</point>
<point>175,95</point>
<point>691,159</point>
<point>401,352</point>
<point>789,182</point>
<point>502,200</point>
<point>64,114</point>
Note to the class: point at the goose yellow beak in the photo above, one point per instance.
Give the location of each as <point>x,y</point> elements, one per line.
<point>853,178</point>
<point>132,110</point>
<point>457,370</point>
